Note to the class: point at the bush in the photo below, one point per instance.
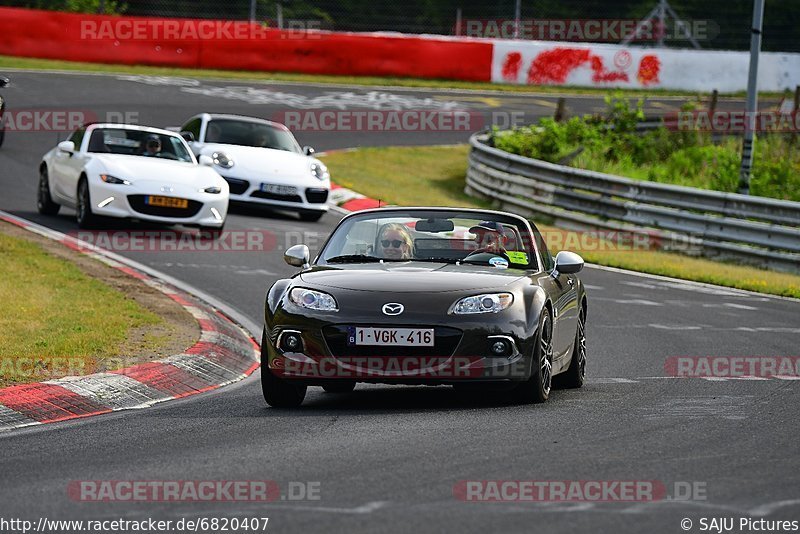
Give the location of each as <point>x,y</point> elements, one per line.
<point>690,158</point>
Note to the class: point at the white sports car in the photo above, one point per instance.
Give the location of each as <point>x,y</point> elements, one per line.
<point>262,162</point>
<point>133,172</point>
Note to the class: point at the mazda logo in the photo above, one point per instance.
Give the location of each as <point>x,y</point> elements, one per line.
<point>393,308</point>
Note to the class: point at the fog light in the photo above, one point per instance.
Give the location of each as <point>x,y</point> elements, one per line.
<point>499,348</point>
<point>291,342</point>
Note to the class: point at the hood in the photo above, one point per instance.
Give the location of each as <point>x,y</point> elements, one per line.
<point>254,161</point>
<point>139,168</point>
<point>408,277</point>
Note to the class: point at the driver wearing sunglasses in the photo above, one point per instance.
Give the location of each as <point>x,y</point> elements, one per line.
<point>394,242</point>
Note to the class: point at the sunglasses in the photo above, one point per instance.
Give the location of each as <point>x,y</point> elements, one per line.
<point>396,243</point>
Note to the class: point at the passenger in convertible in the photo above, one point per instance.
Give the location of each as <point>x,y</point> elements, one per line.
<point>394,242</point>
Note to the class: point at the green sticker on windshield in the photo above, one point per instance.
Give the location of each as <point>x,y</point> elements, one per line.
<point>517,257</point>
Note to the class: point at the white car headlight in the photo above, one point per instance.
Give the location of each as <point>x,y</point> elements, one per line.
<point>107,178</point>
<point>319,171</point>
<point>214,190</point>
<point>488,303</point>
<point>313,300</point>
<point>221,159</point>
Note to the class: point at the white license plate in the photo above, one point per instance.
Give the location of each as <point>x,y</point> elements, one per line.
<point>388,337</point>
<point>277,189</point>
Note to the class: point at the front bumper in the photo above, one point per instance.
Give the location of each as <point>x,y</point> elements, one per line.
<point>308,196</point>
<point>126,202</point>
<point>461,351</point>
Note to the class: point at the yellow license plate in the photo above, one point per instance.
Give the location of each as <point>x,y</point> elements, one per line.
<point>168,202</point>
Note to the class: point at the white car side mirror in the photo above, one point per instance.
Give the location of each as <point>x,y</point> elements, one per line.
<point>67,146</point>
<point>206,161</point>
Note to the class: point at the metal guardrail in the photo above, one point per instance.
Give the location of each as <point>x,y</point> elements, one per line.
<point>755,230</point>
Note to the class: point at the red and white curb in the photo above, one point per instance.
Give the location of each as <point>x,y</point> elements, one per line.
<point>225,353</point>
<point>349,200</point>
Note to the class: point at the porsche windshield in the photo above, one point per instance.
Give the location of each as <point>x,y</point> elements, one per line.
<point>138,143</point>
<point>249,133</point>
<point>447,236</point>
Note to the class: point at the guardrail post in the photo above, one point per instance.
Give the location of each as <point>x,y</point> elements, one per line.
<point>561,110</point>
<point>712,106</point>
<point>795,110</point>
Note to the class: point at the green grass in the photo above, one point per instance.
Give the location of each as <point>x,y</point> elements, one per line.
<point>417,176</point>
<point>422,176</point>
<point>775,174</point>
<point>50,310</point>
<point>50,64</point>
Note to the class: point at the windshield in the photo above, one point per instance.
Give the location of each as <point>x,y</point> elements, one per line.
<point>138,143</point>
<point>479,238</point>
<point>248,133</point>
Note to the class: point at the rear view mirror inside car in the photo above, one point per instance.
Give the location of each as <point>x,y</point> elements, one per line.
<point>434,225</point>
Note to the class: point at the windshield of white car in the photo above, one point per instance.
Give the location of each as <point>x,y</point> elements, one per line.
<point>248,133</point>
<point>479,238</point>
<point>138,143</point>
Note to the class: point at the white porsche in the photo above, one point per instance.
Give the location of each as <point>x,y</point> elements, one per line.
<point>132,172</point>
<point>262,162</point>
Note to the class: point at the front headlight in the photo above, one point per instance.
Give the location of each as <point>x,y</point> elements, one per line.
<point>221,159</point>
<point>107,178</point>
<point>488,303</point>
<point>319,171</point>
<point>214,190</point>
<point>313,300</point>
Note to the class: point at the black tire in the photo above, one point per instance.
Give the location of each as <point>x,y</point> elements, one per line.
<point>537,388</point>
<point>575,376</point>
<point>83,210</point>
<point>211,232</point>
<point>44,202</point>
<point>311,216</point>
<point>278,392</point>
<point>341,386</point>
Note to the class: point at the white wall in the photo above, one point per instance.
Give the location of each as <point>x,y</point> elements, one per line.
<point>599,65</point>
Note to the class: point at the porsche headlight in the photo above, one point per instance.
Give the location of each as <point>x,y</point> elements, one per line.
<point>221,159</point>
<point>319,171</point>
<point>488,303</point>
<point>107,178</point>
<point>313,300</point>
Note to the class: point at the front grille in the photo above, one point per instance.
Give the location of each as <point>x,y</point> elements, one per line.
<point>138,205</point>
<point>316,195</point>
<point>237,186</point>
<point>445,342</point>
<point>273,196</point>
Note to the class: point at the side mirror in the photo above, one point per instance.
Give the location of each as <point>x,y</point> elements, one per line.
<point>205,160</point>
<point>297,256</point>
<point>309,150</point>
<point>568,262</point>
<point>67,146</point>
<point>187,136</point>
<point>4,81</point>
